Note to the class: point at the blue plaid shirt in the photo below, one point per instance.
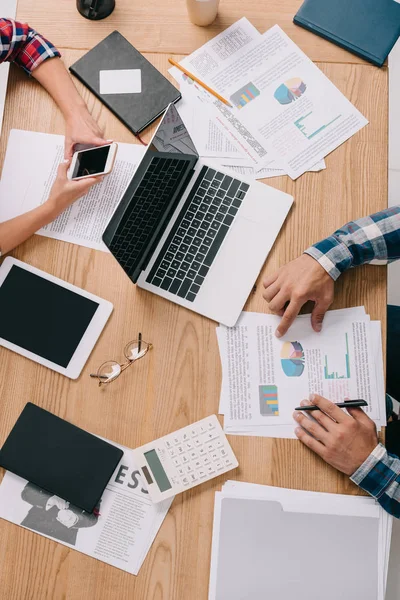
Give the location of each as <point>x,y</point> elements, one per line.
<point>379,475</point>
<point>375,240</point>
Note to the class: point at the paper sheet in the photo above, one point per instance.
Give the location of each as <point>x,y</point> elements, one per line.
<point>264,378</point>
<point>222,53</point>
<point>236,167</point>
<point>208,135</point>
<point>23,189</point>
<point>305,116</point>
<point>284,108</point>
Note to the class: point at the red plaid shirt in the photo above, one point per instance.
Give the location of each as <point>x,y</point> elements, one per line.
<point>23,45</point>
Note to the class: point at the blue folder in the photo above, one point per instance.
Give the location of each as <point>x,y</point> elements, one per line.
<point>367,28</point>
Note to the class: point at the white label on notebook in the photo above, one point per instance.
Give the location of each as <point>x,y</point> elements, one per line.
<point>121,81</point>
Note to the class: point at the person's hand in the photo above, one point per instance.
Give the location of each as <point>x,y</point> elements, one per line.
<point>81,128</point>
<point>296,283</point>
<point>343,441</point>
<point>67,518</point>
<point>56,501</point>
<point>65,191</point>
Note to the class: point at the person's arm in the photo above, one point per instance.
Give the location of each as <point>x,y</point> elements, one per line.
<point>63,193</point>
<point>80,127</point>
<point>374,239</point>
<point>24,46</point>
<point>349,443</point>
<point>379,475</point>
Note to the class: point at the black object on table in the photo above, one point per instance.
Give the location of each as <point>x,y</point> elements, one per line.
<point>95,9</point>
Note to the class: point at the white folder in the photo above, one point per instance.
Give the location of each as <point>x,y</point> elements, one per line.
<point>276,544</point>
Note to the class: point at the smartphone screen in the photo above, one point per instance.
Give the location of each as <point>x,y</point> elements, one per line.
<point>91,162</point>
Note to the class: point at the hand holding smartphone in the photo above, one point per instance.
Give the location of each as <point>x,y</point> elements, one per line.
<point>93,162</point>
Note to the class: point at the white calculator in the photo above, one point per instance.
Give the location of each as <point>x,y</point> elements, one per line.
<point>185,458</point>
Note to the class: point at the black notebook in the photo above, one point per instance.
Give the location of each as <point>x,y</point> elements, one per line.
<point>59,457</point>
<point>125,81</point>
<point>367,28</point>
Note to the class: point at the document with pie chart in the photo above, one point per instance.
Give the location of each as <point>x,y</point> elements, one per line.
<point>265,378</point>
<point>290,105</point>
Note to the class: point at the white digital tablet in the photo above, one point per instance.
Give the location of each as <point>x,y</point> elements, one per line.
<point>47,319</point>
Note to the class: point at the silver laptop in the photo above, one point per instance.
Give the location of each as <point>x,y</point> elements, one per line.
<point>190,233</point>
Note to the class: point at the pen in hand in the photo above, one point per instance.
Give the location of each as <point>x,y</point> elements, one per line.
<point>345,404</point>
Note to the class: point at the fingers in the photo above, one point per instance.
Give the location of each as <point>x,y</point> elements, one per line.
<point>329,408</point>
<point>99,141</point>
<point>278,303</point>
<point>63,168</point>
<point>68,151</point>
<point>312,427</point>
<point>271,292</point>
<point>288,317</point>
<point>318,313</point>
<point>310,442</point>
<point>359,415</point>
<point>320,417</point>
<point>270,279</point>
<point>88,182</point>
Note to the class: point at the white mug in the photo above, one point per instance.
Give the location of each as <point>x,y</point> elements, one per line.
<point>202,12</point>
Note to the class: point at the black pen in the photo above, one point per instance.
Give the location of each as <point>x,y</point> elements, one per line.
<point>345,404</point>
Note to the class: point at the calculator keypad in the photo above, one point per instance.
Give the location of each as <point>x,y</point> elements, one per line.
<point>202,452</point>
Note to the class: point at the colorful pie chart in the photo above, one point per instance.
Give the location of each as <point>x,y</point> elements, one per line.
<point>292,359</point>
<point>290,91</point>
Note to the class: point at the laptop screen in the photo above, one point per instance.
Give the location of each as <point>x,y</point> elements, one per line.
<point>172,135</point>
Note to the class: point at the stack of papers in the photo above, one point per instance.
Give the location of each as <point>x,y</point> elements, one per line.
<point>120,533</point>
<point>265,378</point>
<point>286,114</point>
<point>271,542</point>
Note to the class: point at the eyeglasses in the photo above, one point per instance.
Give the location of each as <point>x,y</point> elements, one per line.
<point>110,370</point>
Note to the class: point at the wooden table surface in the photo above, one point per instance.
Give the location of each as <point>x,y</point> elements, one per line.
<point>179,381</point>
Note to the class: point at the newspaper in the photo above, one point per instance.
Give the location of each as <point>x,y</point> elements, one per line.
<point>120,531</point>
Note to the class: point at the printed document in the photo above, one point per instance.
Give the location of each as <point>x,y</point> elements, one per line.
<point>213,141</point>
<point>120,531</point>
<point>284,108</point>
<point>21,190</point>
<point>224,52</point>
<point>208,135</point>
<point>265,378</point>
<point>301,116</point>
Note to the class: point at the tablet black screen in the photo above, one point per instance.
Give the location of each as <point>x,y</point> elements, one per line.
<point>43,317</point>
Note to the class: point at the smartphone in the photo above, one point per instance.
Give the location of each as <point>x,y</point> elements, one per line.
<point>93,161</point>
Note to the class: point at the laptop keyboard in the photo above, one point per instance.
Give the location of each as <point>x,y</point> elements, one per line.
<point>197,234</point>
<point>151,198</point>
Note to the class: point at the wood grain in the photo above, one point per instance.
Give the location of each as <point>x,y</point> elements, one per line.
<point>154,26</point>
<point>179,381</point>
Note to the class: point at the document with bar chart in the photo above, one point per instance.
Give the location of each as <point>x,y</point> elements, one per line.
<point>287,103</point>
<point>264,378</point>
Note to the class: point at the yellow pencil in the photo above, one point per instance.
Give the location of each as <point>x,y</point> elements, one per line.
<point>204,85</point>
